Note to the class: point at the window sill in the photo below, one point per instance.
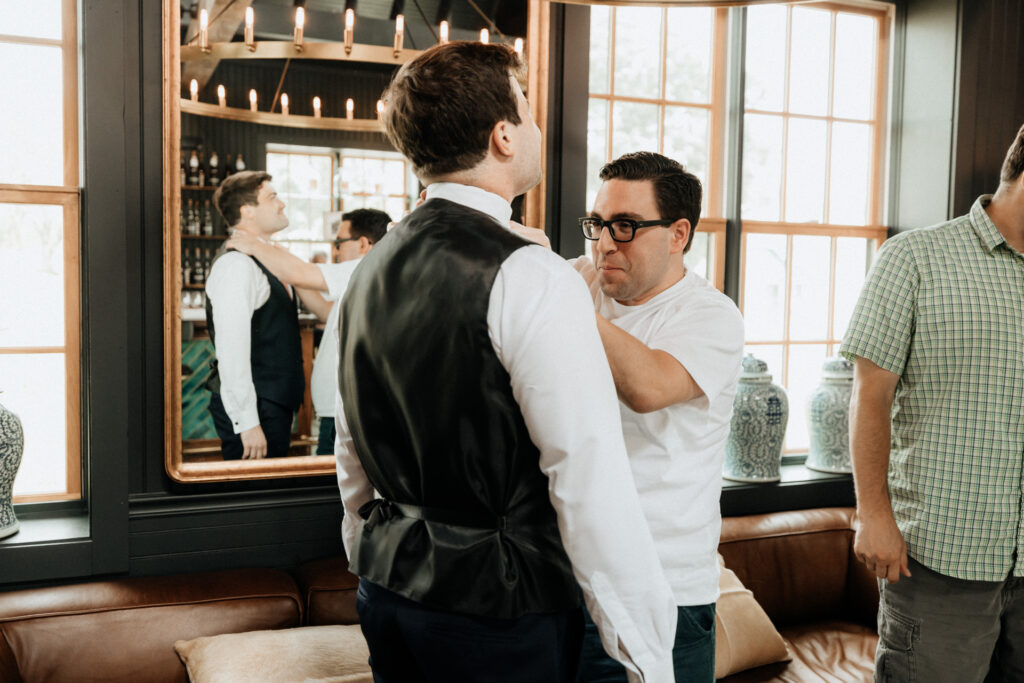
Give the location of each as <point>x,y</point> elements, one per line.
<point>49,527</point>
<point>799,488</point>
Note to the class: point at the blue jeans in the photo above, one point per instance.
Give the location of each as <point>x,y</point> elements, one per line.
<point>693,654</point>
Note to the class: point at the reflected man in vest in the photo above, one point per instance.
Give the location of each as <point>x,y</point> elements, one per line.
<point>257,379</point>
<point>475,398</point>
<point>358,231</point>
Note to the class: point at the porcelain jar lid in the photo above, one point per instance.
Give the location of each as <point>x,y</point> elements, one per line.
<point>837,367</point>
<point>754,369</point>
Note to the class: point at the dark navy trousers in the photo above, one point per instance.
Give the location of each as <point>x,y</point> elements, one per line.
<point>410,643</point>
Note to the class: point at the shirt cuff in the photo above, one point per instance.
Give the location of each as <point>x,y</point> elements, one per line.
<point>247,420</point>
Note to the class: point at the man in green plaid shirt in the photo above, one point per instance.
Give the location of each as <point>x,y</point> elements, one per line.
<point>937,437</point>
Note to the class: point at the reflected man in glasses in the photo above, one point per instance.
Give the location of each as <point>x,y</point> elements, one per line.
<point>674,344</point>
<point>358,232</point>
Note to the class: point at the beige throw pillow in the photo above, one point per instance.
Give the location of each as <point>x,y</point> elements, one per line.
<point>335,654</point>
<point>744,635</point>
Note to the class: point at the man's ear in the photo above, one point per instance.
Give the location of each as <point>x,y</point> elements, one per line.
<point>364,245</point>
<point>680,235</point>
<point>501,139</point>
<point>245,211</point>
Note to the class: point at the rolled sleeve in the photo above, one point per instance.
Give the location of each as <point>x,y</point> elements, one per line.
<point>882,325</point>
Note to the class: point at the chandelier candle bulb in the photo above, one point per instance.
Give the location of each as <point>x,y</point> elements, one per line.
<point>485,36</point>
<point>444,32</point>
<point>204,34</point>
<point>350,108</point>
<point>222,96</point>
<point>350,23</point>
<point>284,103</point>
<point>252,100</point>
<point>316,107</point>
<point>193,90</point>
<point>250,19</point>
<point>399,33</point>
<point>300,22</point>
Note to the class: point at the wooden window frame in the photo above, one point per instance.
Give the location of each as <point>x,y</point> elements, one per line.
<point>67,196</point>
<point>874,230</point>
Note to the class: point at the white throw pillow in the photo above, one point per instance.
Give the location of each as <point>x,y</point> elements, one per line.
<point>310,654</point>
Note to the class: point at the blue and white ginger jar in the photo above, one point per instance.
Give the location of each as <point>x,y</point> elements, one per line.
<point>12,443</point>
<point>760,412</point>
<point>829,418</point>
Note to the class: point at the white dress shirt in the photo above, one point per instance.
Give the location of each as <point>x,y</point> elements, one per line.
<point>676,453</point>
<point>542,327</point>
<point>236,288</point>
<point>323,383</point>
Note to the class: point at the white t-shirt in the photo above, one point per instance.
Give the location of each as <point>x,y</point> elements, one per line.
<point>323,383</point>
<point>676,453</point>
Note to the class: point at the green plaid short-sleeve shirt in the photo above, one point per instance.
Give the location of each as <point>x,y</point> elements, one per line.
<point>943,307</point>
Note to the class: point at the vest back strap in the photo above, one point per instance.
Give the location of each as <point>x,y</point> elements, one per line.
<point>378,510</point>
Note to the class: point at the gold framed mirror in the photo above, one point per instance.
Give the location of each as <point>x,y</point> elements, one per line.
<point>209,119</point>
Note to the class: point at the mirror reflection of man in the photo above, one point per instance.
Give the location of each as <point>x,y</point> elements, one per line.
<point>257,382</point>
<point>357,232</point>
<point>674,344</point>
<point>475,398</point>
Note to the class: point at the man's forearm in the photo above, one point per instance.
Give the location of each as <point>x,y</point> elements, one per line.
<point>870,433</point>
<point>289,268</point>
<point>646,379</point>
<point>315,303</point>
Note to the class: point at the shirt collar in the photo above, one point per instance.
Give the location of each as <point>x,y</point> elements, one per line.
<point>983,225</point>
<point>473,197</point>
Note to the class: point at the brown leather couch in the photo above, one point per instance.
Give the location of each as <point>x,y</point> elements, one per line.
<point>798,564</point>
<point>801,569</point>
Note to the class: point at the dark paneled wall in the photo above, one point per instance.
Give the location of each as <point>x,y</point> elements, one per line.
<point>991,97</point>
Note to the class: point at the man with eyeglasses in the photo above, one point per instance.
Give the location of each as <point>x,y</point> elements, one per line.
<point>358,232</point>
<point>674,344</point>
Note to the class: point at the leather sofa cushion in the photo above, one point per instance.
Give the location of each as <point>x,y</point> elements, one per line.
<point>330,590</point>
<point>123,631</point>
<point>829,652</point>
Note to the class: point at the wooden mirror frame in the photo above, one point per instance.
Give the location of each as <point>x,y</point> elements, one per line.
<point>293,466</point>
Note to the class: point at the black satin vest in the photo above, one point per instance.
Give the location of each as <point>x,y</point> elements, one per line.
<point>275,353</point>
<point>466,524</point>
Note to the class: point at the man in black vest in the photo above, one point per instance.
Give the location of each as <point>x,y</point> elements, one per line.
<point>257,379</point>
<point>476,400</point>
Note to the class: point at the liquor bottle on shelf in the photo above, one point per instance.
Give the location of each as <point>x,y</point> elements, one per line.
<point>193,169</point>
<point>239,163</point>
<point>229,167</point>
<point>184,171</point>
<point>207,218</point>
<point>186,268</point>
<point>207,264</point>
<point>214,175</point>
<point>202,171</point>
<point>198,269</point>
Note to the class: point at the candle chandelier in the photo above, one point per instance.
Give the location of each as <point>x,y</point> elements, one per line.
<point>200,47</point>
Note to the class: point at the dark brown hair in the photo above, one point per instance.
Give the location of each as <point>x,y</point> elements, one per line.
<point>676,190</point>
<point>369,223</point>
<point>441,107</point>
<point>236,191</point>
<point>1013,166</point>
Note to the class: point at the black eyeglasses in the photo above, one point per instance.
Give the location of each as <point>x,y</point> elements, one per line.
<point>341,240</point>
<point>621,229</point>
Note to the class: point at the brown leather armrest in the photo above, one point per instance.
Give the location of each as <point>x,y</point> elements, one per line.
<point>329,590</point>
